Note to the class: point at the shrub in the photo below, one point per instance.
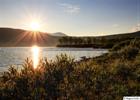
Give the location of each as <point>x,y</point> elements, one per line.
<point>129,52</point>
<point>101,78</point>
<point>120,45</point>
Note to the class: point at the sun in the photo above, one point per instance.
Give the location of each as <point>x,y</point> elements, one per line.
<point>35,26</point>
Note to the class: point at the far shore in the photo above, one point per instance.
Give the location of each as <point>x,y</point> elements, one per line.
<point>59,46</point>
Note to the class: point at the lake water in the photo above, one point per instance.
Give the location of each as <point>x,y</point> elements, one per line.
<point>17,55</point>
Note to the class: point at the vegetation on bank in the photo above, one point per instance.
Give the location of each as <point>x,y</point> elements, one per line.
<point>97,42</point>
<point>108,77</point>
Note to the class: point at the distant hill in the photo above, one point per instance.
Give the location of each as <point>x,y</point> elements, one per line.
<point>97,41</point>
<point>19,37</point>
<point>123,35</point>
<point>60,34</point>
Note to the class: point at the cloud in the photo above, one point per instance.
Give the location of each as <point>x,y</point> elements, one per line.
<point>69,8</point>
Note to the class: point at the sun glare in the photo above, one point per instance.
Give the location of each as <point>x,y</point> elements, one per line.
<point>35,26</point>
<point>35,51</point>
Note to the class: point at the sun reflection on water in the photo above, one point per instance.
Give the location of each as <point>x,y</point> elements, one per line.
<point>35,52</point>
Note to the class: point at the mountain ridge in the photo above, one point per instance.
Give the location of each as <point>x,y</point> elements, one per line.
<point>21,37</point>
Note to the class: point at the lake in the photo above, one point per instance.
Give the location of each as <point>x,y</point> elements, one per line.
<point>17,55</point>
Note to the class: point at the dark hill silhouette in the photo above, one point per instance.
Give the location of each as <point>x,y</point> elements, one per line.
<point>123,35</point>
<point>99,41</point>
<point>19,37</point>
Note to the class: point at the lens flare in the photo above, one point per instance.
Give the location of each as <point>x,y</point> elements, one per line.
<point>35,51</point>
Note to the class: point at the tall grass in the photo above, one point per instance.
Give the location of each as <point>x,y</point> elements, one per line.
<point>108,77</point>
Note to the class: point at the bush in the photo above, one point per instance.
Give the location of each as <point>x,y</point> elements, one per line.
<point>120,45</point>
<point>129,52</point>
<point>101,78</point>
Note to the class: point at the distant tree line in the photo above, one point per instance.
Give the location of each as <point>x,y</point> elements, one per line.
<point>95,42</point>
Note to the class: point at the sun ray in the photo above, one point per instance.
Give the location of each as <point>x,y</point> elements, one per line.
<point>21,37</point>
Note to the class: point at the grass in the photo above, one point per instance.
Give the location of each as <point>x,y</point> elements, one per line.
<point>108,77</point>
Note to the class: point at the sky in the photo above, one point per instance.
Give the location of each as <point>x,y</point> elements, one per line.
<point>72,17</point>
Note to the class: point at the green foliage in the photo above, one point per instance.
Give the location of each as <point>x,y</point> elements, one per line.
<point>120,45</point>
<point>133,43</point>
<point>108,77</point>
<point>129,52</point>
<point>126,50</point>
<point>115,41</point>
<point>101,42</point>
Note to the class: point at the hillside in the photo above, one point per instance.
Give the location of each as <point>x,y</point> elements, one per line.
<point>97,42</point>
<point>123,35</point>
<point>18,37</point>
